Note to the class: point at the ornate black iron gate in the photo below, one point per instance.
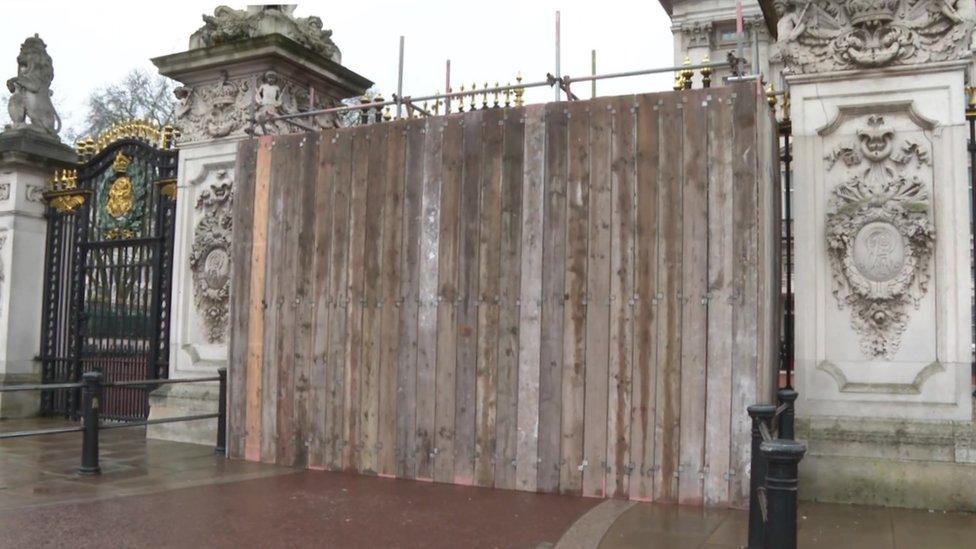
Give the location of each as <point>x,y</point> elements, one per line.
<point>108,269</point>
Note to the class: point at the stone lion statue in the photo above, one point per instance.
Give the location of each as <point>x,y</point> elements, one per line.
<point>31,89</point>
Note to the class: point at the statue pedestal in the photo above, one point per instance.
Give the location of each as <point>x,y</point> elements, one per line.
<point>883,285</point>
<point>28,159</point>
<point>219,85</point>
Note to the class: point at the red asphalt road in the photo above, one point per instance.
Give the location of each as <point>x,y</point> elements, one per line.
<point>305,509</point>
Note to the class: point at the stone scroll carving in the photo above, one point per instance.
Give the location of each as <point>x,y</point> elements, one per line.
<point>210,257</point>
<point>832,35</point>
<point>230,25</point>
<point>879,236</point>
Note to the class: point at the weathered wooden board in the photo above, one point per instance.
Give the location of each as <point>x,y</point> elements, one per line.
<point>720,268</point>
<point>553,306</point>
<point>669,297</point>
<point>241,252</point>
<point>409,297</point>
<point>506,419</point>
<point>447,294</point>
<point>427,315</point>
<point>390,318</point>
<point>373,257</point>
<point>577,297</point>
<point>574,316</point>
<point>694,298</point>
<point>530,306</point>
<point>318,376</point>
<point>467,302</point>
<point>622,298</point>
<point>597,301</point>
<point>647,317</point>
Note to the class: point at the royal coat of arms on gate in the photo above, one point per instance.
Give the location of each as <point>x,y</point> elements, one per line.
<point>122,201</point>
<point>879,236</point>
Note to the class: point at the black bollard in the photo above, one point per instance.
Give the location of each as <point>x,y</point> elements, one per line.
<point>782,457</point>
<point>221,447</point>
<point>760,413</point>
<point>786,419</point>
<point>91,395</point>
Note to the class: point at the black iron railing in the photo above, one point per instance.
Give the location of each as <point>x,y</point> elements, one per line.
<point>92,386</point>
<point>773,482</point>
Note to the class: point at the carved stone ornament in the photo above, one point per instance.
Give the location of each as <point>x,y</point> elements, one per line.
<point>697,34</point>
<point>4,191</point>
<point>30,90</point>
<point>879,236</point>
<point>833,35</point>
<point>210,257</point>
<point>243,106</point>
<point>35,193</point>
<point>230,25</point>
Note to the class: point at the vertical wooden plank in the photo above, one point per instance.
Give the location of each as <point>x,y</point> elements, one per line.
<point>744,276</point>
<point>390,318</point>
<point>506,418</point>
<point>302,345</point>
<point>622,300</point>
<point>489,251</point>
<point>355,284</point>
<point>372,309</point>
<point>274,297</point>
<point>467,314</point>
<point>255,334</point>
<point>694,319</point>
<point>668,417</point>
<point>336,362</point>
<point>447,279</point>
<point>323,253</point>
<point>530,287</point>
<point>553,287</point>
<point>597,310</point>
<point>647,234</point>
<point>427,316</point>
<point>574,316</point>
<point>241,247</point>
<point>409,295</point>
<point>720,267</point>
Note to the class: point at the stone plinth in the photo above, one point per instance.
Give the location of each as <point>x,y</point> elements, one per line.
<point>28,159</point>
<point>883,285</point>
<point>228,92</point>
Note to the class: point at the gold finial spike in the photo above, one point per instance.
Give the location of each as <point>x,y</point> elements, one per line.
<point>519,91</point>
<point>460,99</point>
<point>386,114</point>
<point>474,97</point>
<point>508,95</point>
<point>679,82</point>
<point>687,74</point>
<point>706,73</point>
<point>495,93</point>
<point>484,96</point>
<point>771,96</point>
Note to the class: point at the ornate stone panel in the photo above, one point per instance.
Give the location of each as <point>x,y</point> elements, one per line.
<point>832,35</point>
<point>35,193</point>
<point>880,238</point>
<point>244,106</point>
<point>210,257</point>
<point>4,191</point>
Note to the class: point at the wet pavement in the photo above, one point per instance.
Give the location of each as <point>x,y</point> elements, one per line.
<point>168,494</point>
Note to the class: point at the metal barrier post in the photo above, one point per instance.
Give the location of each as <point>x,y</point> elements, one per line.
<point>783,457</point>
<point>786,419</point>
<point>221,447</point>
<point>91,395</point>
<point>760,413</point>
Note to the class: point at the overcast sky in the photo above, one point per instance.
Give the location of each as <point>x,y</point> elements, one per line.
<point>96,42</point>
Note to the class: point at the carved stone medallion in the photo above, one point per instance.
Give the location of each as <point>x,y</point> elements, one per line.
<point>210,257</point>
<point>880,239</point>
<point>832,35</point>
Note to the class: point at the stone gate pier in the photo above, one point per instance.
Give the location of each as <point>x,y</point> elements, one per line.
<point>883,268</point>
<point>241,67</point>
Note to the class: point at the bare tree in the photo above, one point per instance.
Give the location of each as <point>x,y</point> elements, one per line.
<point>139,95</point>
